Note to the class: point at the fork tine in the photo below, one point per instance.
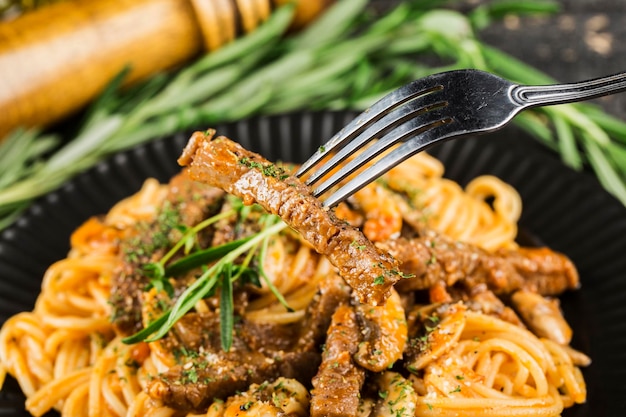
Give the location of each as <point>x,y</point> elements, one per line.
<point>374,113</point>
<point>400,133</point>
<point>415,108</point>
<point>423,137</point>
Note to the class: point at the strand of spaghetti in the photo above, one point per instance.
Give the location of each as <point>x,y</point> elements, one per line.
<point>137,406</point>
<point>37,361</point>
<point>466,225</point>
<point>77,323</point>
<point>112,401</point>
<point>505,384</point>
<point>70,272</point>
<point>549,406</point>
<point>20,370</point>
<point>28,324</point>
<point>77,356</point>
<point>528,342</point>
<point>102,366</point>
<point>56,338</point>
<point>160,412</point>
<point>55,391</point>
<point>62,358</point>
<point>297,299</point>
<point>3,374</point>
<point>496,362</point>
<point>75,404</point>
<point>485,326</point>
<point>486,391</point>
<point>126,368</point>
<point>99,293</point>
<point>573,383</point>
<point>517,406</point>
<point>523,358</point>
<point>285,317</point>
<point>506,201</point>
<point>441,200</point>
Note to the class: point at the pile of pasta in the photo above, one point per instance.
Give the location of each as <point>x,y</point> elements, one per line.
<point>66,356</point>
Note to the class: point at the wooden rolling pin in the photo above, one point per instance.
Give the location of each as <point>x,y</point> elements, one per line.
<point>54,60</point>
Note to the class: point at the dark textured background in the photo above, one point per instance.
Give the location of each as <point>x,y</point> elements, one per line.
<point>586,39</point>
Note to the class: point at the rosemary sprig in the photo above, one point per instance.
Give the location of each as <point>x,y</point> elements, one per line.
<point>220,274</point>
<point>346,60</point>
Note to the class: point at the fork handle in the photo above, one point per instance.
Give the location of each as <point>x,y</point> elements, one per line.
<point>542,95</point>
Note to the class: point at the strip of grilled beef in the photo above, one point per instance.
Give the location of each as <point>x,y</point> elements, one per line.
<point>480,298</point>
<point>337,385</point>
<point>187,203</point>
<point>205,371</point>
<point>260,352</point>
<point>223,163</point>
<point>331,293</point>
<point>434,258</point>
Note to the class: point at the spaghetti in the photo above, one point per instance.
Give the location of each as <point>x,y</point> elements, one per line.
<point>66,354</point>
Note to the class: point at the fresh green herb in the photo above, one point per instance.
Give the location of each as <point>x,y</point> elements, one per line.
<point>202,257</point>
<point>379,280</point>
<point>189,375</point>
<point>158,280</point>
<point>457,389</point>
<point>246,406</point>
<point>226,308</point>
<point>269,170</point>
<point>356,244</point>
<point>222,273</point>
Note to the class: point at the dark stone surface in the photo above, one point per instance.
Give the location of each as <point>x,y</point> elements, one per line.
<point>585,39</point>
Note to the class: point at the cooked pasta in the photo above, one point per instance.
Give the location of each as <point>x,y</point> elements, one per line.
<point>67,355</point>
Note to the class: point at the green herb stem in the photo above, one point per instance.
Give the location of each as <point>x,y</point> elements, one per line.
<point>207,281</point>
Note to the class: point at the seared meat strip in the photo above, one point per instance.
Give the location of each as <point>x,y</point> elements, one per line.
<point>543,316</point>
<point>433,257</point>
<point>331,292</point>
<point>260,351</point>
<point>337,385</point>
<point>383,331</point>
<point>227,165</point>
<point>480,298</point>
<point>205,371</point>
<point>187,203</point>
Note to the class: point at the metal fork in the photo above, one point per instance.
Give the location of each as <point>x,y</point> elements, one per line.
<point>427,111</point>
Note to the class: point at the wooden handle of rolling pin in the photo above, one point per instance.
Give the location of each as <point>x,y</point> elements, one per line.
<point>53,61</point>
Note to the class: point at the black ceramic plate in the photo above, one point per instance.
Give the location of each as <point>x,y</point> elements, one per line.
<point>566,210</point>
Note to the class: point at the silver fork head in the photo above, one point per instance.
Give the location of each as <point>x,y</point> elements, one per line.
<point>418,115</point>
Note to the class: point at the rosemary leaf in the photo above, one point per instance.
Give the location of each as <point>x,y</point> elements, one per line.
<point>202,257</point>
<point>226,309</point>
<point>607,176</point>
<point>147,331</point>
<point>567,143</point>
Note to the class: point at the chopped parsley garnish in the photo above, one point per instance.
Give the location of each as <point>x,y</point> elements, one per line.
<point>379,280</point>
<point>269,170</point>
